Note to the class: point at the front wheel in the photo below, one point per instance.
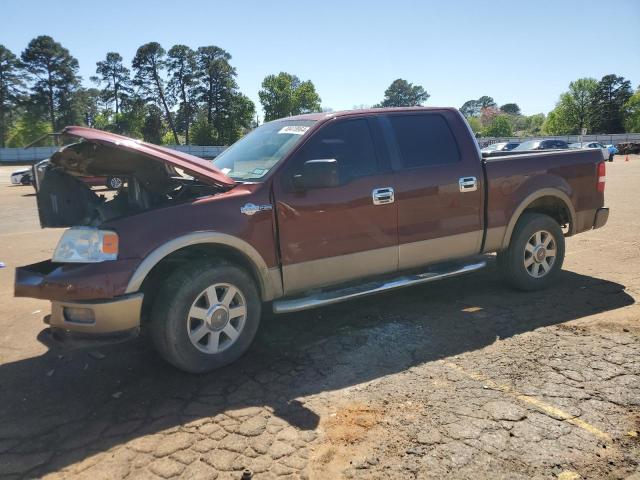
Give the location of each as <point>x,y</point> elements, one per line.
<point>205,316</point>
<point>535,253</point>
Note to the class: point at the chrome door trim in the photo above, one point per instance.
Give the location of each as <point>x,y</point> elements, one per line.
<point>383,196</point>
<point>468,184</point>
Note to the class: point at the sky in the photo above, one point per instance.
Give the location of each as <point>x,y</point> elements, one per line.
<point>525,52</point>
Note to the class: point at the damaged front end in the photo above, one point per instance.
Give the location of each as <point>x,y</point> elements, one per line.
<point>154,177</point>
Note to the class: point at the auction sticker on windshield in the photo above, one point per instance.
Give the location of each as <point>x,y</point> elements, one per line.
<point>294,129</point>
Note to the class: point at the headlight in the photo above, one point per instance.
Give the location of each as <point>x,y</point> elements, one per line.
<point>86,245</point>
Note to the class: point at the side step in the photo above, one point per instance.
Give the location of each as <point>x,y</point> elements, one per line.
<point>328,297</point>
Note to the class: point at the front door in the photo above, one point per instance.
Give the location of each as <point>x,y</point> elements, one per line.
<point>336,234</point>
<point>438,188</point>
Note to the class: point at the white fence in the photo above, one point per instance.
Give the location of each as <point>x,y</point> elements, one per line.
<point>35,154</point>
<point>613,139</point>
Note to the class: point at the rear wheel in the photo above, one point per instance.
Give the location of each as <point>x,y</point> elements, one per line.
<point>535,253</point>
<point>205,316</point>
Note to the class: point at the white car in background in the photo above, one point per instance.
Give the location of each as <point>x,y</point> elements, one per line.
<point>606,154</point>
<point>21,177</point>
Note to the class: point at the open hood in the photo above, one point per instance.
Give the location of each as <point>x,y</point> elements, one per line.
<point>203,170</point>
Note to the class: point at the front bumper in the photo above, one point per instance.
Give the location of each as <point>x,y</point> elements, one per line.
<point>117,315</point>
<point>602,215</point>
<point>16,179</point>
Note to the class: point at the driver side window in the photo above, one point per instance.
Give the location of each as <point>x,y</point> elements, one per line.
<point>349,142</point>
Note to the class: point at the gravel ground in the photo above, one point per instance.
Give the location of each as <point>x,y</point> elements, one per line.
<point>464,378</point>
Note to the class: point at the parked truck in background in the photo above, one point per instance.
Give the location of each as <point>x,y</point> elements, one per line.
<point>302,212</point>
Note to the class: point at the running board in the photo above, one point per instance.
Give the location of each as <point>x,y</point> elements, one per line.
<point>328,297</point>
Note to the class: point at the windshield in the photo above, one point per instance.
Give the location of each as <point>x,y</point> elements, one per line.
<point>575,145</point>
<point>530,145</point>
<point>251,157</point>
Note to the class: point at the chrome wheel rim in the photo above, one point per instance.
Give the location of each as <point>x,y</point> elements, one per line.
<point>216,318</point>
<point>540,254</point>
<point>115,183</point>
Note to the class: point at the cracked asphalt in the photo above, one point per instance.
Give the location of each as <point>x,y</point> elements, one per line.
<point>464,378</point>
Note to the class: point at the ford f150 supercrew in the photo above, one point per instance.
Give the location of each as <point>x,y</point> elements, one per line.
<point>301,212</point>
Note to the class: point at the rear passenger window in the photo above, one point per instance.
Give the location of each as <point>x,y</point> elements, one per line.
<point>348,142</point>
<point>424,140</point>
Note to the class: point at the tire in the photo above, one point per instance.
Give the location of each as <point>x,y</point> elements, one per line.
<point>528,264</point>
<point>115,183</point>
<point>200,343</point>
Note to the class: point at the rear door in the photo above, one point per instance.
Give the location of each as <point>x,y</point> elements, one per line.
<point>439,187</point>
<point>336,234</point>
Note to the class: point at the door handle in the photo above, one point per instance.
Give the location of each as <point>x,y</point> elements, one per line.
<point>383,196</point>
<point>468,184</point>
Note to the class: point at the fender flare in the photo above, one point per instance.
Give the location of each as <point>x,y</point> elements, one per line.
<point>544,192</point>
<point>269,279</point>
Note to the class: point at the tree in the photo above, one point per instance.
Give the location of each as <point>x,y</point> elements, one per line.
<point>487,114</point>
<point>573,111</point>
<point>218,94</point>
<point>27,128</point>
<point>632,113</point>
<point>284,95</point>
<point>556,124</point>
<point>499,127</point>
<point>476,126</point>
<point>152,128</point>
<point>182,69</point>
<point>510,109</point>
<point>609,99</point>
<point>53,74</point>
<point>148,64</point>
<point>403,94</point>
<point>86,103</point>
<point>473,108</point>
<point>116,78</point>
<point>11,89</point>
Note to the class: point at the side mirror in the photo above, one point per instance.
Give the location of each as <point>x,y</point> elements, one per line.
<point>321,173</point>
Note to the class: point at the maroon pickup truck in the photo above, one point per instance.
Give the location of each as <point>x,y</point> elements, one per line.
<point>302,212</point>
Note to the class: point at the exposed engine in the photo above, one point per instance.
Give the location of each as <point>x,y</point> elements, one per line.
<point>65,200</point>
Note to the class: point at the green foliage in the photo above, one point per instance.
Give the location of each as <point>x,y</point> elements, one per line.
<point>284,95</point>
<point>608,103</point>
<point>53,75</point>
<point>27,129</point>
<point>403,94</point>
<point>148,65</point>
<point>500,126</point>
<point>510,109</point>
<point>182,68</point>
<point>475,124</point>
<point>226,109</point>
<point>116,80</point>
<point>632,113</point>
<point>474,108</point>
<point>11,89</point>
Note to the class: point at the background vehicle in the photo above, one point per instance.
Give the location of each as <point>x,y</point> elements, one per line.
<point>499,147</point>
<point>21,177</point>
<point>596,145</point>
<point>111,182</point>
<point>541,145</point>
<point>310,210</point>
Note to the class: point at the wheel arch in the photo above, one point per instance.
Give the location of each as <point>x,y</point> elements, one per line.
<point>550,201</point>
<point>214,245</point>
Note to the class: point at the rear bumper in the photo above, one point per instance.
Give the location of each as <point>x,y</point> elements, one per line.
<point>602,215</point>
<point>114,316</point>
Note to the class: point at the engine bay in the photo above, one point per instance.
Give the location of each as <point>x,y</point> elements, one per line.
<point>65,200</point>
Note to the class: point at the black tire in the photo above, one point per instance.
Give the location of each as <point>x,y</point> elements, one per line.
<point>115,183</point>
<point>512,261</point>
<point>169,317</point>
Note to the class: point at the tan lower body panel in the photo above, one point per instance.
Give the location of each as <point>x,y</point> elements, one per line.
<point>495,239</point>
<point>110,316</point>
<point>425,252</point>
<point>300,277</point>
